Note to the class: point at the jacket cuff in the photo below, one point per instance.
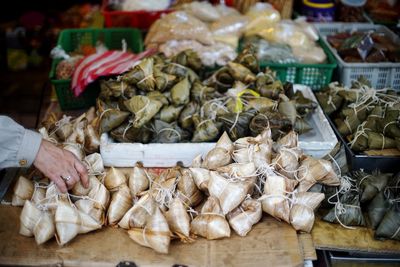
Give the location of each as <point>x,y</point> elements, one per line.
<point>29,148</point>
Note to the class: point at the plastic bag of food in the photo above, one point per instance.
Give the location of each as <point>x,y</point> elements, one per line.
<point>286,32</point>
<point>309,55</point>
<point>228,29</point>
<point>260,16</point>
<point>204,11</point>
<point>178,26</point>
<point>210,55</point>
<point>149,5</point>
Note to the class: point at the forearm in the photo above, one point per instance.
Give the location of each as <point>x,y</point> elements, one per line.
<point>18,146</point>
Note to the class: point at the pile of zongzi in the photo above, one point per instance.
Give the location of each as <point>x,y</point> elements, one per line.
<point>228,189</point>
<point>366,117</point>
<point>48,213</point>
<point>375,194</point>
<point>164,100</point>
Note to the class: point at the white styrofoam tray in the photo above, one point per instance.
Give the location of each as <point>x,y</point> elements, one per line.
<point>318,142</point>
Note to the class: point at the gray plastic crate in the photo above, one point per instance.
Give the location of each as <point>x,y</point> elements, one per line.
<point>381,74</point>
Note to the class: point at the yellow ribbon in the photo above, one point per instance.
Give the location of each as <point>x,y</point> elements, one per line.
<point>239,103</point>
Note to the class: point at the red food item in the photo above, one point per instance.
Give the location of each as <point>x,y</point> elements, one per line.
<point>65,69</point>
<point>87,50</point>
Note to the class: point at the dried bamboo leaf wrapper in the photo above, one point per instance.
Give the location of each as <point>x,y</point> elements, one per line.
<point>94,163</point>
<point>92,208</point>
<point>138,181</point>
<point>22,191</point>
<point>119,205</point>
<point>155,235</point>
<point>287,162</point>
<point>275,200</point>
<point>67,221</point>
<point>92,139</point>
<point>211,222</point>
<point>245,216</point>
<point>302,211</point>
<point>100,194</point>
<point>230,193</point>
<point>178,219</point>
<point>189,193</point>
<point>239,170</point>
<point>140,211</point>
<point>88,223</point>
<point>312,171</point>
<point>29,216</point>
<point>44,228</point>
<point>201,178</point>
<point>115,179</point>
<point>75,149</point>
<point>39,193</point>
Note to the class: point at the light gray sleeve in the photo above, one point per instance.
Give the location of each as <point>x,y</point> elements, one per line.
<point>18,146</point>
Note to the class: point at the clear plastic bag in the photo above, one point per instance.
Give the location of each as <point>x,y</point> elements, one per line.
<point>149,5</point>
<point>178,26</point>
<point>204,11</point>
<point>261,15</point>
<point>217,54</point>
<point>286,32</point>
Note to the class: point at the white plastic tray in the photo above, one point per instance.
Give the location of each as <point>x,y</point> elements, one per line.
<point>318,142</point>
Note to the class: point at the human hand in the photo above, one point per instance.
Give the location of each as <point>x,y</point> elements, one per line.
<point>57,164</point>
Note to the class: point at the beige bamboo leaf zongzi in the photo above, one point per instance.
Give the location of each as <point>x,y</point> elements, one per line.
<point>245,216</point>
<point>302,211</point>
<point>178,219</point>
<point>115,179</point>
<point>155,234</point>
<point>23,190</point>
<point>119,205</point>
<point>230,193</point>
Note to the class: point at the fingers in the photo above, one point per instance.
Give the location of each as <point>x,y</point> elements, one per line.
<point>74,177</point>
<point>59,183</point>
<point>82,171</point>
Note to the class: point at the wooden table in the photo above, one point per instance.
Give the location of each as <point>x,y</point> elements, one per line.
<point>270,243</point>
<point>332,236</point>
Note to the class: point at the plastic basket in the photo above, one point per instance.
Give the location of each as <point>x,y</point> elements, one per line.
<point>316,76</point>
<point>138,19</point>
<point>70,40</point>
<point>381,74</point>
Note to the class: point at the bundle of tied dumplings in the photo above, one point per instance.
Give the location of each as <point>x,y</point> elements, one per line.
<point>227,189</point>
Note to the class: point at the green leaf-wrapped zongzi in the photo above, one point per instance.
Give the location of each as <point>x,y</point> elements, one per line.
<point>347,211</point>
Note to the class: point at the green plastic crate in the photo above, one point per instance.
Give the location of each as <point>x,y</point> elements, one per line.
<point>70,40</point>
<point>316,76</point>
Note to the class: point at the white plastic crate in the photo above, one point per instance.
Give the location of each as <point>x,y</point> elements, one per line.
<point>318,142</point>
<point>381,74</point>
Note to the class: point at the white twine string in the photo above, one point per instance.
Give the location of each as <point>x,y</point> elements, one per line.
<point>171,130</point>
<point>59,124</point>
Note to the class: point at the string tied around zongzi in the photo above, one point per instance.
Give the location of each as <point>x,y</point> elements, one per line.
<point>60,123</point>
<point>346,184</point>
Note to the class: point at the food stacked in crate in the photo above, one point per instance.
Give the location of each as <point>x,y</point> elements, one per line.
<point>76,44</point>
<point>364,50</point>
<point>367,121</point>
